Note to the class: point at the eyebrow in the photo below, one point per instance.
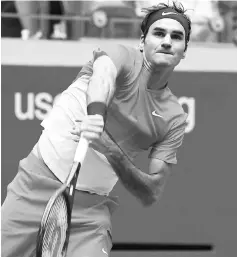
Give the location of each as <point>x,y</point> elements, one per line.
<point>174,31</point>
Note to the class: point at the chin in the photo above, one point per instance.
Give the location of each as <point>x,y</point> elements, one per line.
<point>163,63</point>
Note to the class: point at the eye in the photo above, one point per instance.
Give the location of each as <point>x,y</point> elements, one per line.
<point>159,34</point>
<point>177,37</point>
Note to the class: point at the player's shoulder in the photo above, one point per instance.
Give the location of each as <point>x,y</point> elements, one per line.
<point>132,51</point>
<point>120,55</point>
<point>115,50</point>
<point>128,48</point>
<point>120,49</point>
<point>123,57</point>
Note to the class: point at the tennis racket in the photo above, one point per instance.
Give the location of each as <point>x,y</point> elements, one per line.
<point>54,230</point>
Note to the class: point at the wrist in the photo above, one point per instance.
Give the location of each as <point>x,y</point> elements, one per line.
<point>115,153</point>
<point>97,108</point>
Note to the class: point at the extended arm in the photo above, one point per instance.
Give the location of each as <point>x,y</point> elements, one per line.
<point>145,186</point>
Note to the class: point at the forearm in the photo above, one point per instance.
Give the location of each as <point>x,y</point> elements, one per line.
<point>140,184</point>
<point>146,187</point>
<point>98,89</point>
<point>102,82</point>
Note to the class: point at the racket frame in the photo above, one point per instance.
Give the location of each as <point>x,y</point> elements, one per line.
<point>67,190</point>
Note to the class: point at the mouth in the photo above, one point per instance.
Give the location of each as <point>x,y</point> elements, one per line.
<point>164,52</point>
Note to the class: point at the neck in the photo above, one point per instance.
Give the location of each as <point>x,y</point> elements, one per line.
<point>156,76</point>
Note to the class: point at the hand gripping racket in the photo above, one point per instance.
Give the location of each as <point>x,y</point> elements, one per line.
<point>54,230</point>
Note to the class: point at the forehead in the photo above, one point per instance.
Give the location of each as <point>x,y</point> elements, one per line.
<point>167,24</point>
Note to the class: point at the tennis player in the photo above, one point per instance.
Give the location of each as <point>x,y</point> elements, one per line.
<point>139,113</point>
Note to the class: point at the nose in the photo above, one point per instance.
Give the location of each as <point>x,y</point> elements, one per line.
<point>167,42</point>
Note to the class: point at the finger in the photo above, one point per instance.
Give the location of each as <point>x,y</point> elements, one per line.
<point>91,128</point>
<point>74,136</point>
<point>78,120</point>
<point>93,123</point>
<point>95,116</point>
<point>74,132</point>
<point>76,139</point>
<point>89,117</point>
<point>86,127</point>
<point>91,136</point>
<point>86,123</point>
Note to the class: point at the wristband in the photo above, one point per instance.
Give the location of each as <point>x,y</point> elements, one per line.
<point>97,108</point>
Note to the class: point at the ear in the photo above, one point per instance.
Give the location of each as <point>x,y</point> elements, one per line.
<point>141,44</point>
<point>184,55</point>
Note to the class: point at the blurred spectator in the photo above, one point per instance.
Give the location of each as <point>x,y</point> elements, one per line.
<point>102,14</point>
<point>207,22</point>
<point>235,25</point>
<point>56,31</point>
<point>74,29</point>
<point>76,11</point>
<point>34,27</point>
<point>228,10</point>
<point>139,5</point>
<point>10,27</point>
<point>212,20</point>
<point>40,28</point>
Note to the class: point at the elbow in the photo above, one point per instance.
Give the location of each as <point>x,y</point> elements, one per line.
<point>150,200</point>
<point>152,196</point>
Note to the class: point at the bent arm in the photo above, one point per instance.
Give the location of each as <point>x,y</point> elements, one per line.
<point>147,187</point>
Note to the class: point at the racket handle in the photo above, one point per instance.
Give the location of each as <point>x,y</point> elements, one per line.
<point>81,150</point>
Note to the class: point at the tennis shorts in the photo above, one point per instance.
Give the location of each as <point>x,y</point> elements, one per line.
<point>27,196</point>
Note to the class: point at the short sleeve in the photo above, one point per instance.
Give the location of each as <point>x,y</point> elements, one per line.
<point>117,53</point>
<point>166,150</point>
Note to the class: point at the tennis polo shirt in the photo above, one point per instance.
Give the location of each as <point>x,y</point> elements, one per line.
<point>138,118</point>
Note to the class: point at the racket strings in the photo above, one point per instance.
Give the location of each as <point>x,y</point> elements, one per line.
<point>55,229</point>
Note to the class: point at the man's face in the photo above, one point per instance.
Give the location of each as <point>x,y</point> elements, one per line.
<point>164,44</point>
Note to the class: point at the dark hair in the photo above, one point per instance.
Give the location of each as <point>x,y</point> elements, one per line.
<point>176,6</point>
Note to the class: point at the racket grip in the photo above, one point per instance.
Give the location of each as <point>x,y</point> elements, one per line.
<point>81,150</point>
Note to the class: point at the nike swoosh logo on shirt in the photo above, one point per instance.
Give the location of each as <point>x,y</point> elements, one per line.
<point>156,114</point>
<point>168,13</point>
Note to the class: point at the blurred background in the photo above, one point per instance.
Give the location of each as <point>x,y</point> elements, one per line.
<point>213,20</point>
<point>44,44</point>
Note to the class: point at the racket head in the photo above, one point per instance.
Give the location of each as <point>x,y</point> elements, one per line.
<point>54,230</point>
